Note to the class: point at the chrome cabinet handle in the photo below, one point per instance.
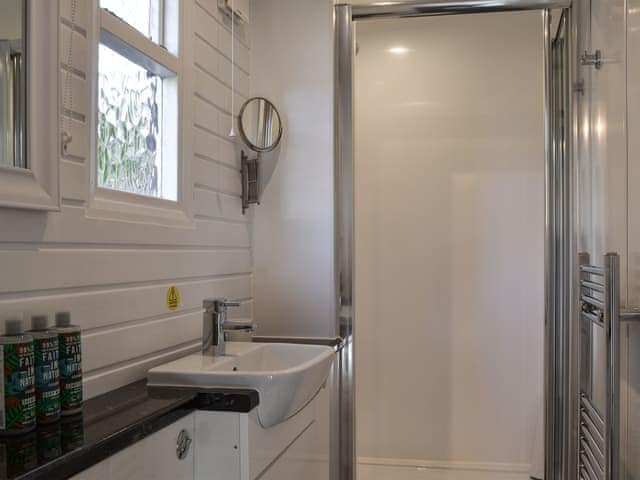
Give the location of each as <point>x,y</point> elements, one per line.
<point>183,443</point>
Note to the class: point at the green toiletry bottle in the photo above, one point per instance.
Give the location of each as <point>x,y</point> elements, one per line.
<point>17,389</point>
<point>70,362</point>
<point>45,343</point>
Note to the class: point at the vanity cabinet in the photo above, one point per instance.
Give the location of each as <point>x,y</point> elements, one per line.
<point>153,458</point>
<point>234,446</point>
<point>228,446</point>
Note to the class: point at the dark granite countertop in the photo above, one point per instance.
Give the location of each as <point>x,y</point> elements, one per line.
<point>109,423</point>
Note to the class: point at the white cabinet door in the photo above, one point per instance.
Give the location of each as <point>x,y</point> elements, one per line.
<point>218,446</point>
<point>305,454</point>
<point>154,458</point>
<point>301,459</point>
<point>234,446</point>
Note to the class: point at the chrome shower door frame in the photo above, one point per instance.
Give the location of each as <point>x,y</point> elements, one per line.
<point>561,385</point>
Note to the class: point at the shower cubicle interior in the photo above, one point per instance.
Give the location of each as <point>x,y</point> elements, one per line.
<point>449,191</point>
<point>483,165</point>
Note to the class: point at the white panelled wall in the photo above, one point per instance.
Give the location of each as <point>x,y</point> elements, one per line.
<point>293,225</point>
<point>449,229</point>
<point>113,274</point>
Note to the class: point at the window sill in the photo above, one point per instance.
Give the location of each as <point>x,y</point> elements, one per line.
<point>115,205</point>
<point>20,189</point>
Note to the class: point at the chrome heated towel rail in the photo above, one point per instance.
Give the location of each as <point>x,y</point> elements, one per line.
<point>600,318</point>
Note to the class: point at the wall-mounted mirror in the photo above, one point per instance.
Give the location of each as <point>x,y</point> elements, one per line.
<point>13,85</point>
<point>261,129</point>
<point>29,104</point>
<point>260,124</point>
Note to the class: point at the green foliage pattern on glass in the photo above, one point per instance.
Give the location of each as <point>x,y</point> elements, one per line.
<point>128,126</point>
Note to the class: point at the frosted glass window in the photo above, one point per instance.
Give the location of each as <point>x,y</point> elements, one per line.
<point>131,157</point>
<point>137,99</point>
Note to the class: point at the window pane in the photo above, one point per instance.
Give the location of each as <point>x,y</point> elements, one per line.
<point>143,15</point>
<point>130,107</point>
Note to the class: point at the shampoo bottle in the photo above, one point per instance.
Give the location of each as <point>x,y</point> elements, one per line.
<point>17,389</point>
<point>70,361</point>
<point>47,372</point>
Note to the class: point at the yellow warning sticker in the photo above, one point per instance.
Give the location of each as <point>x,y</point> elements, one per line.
<point>173,298</point>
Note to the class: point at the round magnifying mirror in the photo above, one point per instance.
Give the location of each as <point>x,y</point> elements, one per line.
<point>260,125</point>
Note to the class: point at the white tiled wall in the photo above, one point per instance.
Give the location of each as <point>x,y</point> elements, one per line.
<point>113,275</point>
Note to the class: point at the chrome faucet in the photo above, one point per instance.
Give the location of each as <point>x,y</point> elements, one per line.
<point>215,324</point>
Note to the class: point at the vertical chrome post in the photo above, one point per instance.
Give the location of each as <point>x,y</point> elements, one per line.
<point>561,326</point>
<point>573,276</point>
<point>551,396</point>
<point>612,326</point>
<point>344,461</point>
<point>564,46</point>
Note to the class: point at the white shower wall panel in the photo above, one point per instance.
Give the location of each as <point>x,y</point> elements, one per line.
<point>449,241</point>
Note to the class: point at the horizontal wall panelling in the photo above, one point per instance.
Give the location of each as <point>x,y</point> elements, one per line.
<point>112,274</point>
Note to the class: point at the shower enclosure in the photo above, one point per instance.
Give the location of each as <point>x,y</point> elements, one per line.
<point>564,444</point>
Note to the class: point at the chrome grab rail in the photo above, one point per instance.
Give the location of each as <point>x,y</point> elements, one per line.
<point>600,306</point>
<point>630,316</point>
<point>405,9</point>
<point>336,343</point>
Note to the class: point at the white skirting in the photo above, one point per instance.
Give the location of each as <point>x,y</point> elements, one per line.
<point>403,469</point>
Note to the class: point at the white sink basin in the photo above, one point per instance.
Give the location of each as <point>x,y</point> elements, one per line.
<point>287,376</point>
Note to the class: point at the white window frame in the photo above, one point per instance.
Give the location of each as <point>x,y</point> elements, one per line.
<point>37,187</point>
<point>116,34</point>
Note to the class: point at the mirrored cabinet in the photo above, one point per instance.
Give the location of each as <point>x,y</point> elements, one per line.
<point>29,101</point>
<point>13,14</point>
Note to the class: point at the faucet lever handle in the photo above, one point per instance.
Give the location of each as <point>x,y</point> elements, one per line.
<point>228,303</point>
<point>219,305</point>
<point>236,325</point>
